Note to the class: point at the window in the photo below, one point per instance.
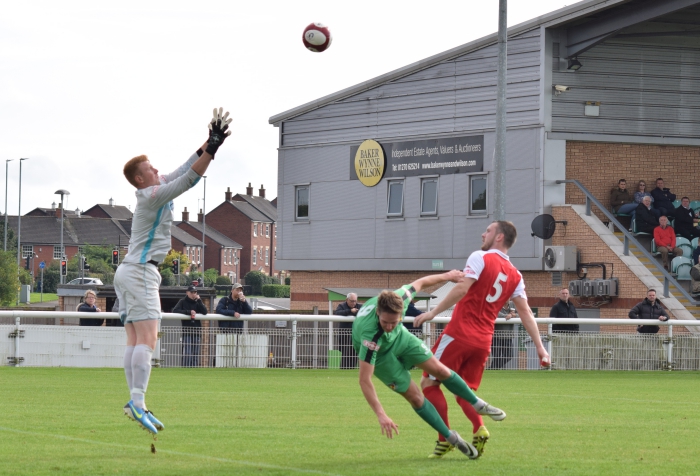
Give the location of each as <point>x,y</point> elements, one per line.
<point>255,229</point>
<point>395,199</point>
<point>428,196</point>
<point>275,252</point>
<point>267,255</point>
<point>302,203</point>
<point>58,252</point>
<point>267,231</point>
<point>275,227</point>
<point>199,254</point>
<point>27,250</point>
<point>477,199</point>
<point>255,255</point>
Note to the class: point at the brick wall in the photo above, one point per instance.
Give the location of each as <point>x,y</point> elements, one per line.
<point>679,166</point>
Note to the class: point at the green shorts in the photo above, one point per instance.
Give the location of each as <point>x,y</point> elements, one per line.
<point>392,366</point>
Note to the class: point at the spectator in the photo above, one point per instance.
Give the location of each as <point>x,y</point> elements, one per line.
<point>686,220</point>
<point>190,305</point>
<point>234,305</point>
<point>114,322</point>
<point>663,198</point>
<point>502,342</point>
<point>696,255</point>
<point>347,308</point>
<point>620,199</point>
<point>650,308</point>
<point>695,279</point>
<point>640,194</point>
<point>665,239</point>
<point>413,311</point>
<point>564,308</point>
<point>646,221</point>
<point>88,305</point>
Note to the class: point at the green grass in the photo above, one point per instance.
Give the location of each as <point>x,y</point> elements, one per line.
<point>36,297</point>
<point>240,421</point>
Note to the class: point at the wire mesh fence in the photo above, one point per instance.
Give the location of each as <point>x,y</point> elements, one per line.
<point>318,345</point>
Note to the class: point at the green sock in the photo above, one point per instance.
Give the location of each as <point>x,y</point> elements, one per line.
<point>456,385</point>
<point>428,413</point>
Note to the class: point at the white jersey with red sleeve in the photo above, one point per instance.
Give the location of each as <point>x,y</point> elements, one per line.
<point>497,281</point>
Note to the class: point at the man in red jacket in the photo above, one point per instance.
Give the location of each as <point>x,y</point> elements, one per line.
<point>665,239</point>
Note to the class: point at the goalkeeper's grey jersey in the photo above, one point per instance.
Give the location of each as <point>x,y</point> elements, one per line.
<point>153,216</point>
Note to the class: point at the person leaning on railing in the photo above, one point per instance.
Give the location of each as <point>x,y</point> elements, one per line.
<point>88,305</point>
<point>650,308</point>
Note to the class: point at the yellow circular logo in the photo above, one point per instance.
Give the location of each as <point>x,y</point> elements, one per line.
<point>370,163</point>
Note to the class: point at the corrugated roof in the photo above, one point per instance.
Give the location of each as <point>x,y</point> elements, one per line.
<point>555,18</point>
<point>183,236</point>
<point>217,236</point>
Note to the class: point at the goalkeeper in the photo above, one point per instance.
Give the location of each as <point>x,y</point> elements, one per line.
<point>137,279</point>
<point>387,349</point>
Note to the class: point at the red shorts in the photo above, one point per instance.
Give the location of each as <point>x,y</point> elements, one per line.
<point>467,360</point>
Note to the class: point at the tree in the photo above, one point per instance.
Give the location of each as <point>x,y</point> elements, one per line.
<point>256,279</point>
<point>210,276</point>
<point>9,282</point>
<point>52,276</point>
<point>167,277</point>
<point>168,262</point>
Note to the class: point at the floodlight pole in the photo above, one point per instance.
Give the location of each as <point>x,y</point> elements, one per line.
<point>7,163</point>
<point>204,224</point>
<point>500,150</point>
<point>19,222</point>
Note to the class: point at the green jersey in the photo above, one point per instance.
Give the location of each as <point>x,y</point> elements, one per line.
<point>368,337</point>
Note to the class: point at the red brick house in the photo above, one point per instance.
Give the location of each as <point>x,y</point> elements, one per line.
<point>109,211</point>
<point>251,221</point>
<point>187,244</point>
<point>220,252</point>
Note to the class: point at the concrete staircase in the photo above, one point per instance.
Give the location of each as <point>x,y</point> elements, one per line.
<point>641,267</point>
<point>694,310</point>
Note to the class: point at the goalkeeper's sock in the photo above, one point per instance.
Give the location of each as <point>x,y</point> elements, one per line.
<point>456,385</point>
<point>471,413</point>
<point>141,368</point>
<point>428,413</point>
<point>128,353</point>
<point>435,396</point>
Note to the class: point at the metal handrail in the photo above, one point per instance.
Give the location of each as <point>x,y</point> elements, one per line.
<point>629,237</point>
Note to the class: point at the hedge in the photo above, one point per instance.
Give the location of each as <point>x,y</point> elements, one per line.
<point>275,290</point>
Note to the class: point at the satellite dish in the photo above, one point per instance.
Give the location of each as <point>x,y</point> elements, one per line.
<point>543,226</point>
<point>550,259</point>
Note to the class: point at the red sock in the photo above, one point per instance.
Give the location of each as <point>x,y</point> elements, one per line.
<point>435,396</point>
<point>469,410</point>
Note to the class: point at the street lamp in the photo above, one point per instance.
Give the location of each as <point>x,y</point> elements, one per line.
<point>62,193</point>
<point>7,163</point>
<point>19,215</point>
<point>204,220</point>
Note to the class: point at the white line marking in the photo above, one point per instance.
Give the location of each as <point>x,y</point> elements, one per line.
<point>176,453</point>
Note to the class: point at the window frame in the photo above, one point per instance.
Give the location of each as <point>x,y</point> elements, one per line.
<point>423,181</point>
<point>267,256</point>
<point>402,182</point>
<point>255,255</point>
<point>267,230</point>
<point>255,229</point>
<point>485,211</point>
<point>297,189</point>
<point>60,252</point>
<point>31,251</point>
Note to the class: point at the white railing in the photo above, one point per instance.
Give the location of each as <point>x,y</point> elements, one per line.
<point>312,341</point>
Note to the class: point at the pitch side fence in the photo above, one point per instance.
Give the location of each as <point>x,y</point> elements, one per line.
<point>317,342</point>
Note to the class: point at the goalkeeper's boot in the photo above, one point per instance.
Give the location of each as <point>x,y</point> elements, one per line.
<point>494,413</point>
<point>156,422</point>
<point>441,449</point>
<point>463,446</point>
<point>140,416</point>
<point>480,438</point>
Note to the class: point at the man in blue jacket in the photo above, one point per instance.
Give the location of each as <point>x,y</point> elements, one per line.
<point>234,305</point>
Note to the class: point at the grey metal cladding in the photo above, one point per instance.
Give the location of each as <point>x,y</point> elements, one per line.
<point>339,238</point>
<point>316,164</point>
<point>521,190</point>
<point>452,96</point>
<point>414,238</point>
<point>343,199</point>
<point>523,149</point>
<point>525,245</point>
<point>643,90</point>
<point>467,235</point>
<point>460,200</point>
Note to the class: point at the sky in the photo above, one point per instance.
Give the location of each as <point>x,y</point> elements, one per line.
<point>86,85</point>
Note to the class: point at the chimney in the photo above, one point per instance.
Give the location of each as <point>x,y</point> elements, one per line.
<point>249,190</point>
<point>228,194</point>
<point>261,192</point>
<point>59,211</point>
<point>185,215</point>
<point>200,216</point>
<point>53,205</point>
<point>111,202</point>
<point>77,212</point>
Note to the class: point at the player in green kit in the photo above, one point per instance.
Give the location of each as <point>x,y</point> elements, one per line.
<point>385,348</point>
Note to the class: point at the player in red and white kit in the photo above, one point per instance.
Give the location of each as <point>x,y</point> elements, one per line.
<point>490,280</point>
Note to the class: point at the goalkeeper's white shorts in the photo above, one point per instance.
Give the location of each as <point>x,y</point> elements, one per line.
<point>137,286</point>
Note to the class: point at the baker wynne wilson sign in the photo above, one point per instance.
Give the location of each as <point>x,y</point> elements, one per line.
<point>452,155</point>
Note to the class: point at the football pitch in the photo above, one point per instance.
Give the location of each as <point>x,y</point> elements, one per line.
<point>283,422</point>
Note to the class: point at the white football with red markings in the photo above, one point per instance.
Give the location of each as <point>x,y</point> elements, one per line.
<point>317,37</point>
